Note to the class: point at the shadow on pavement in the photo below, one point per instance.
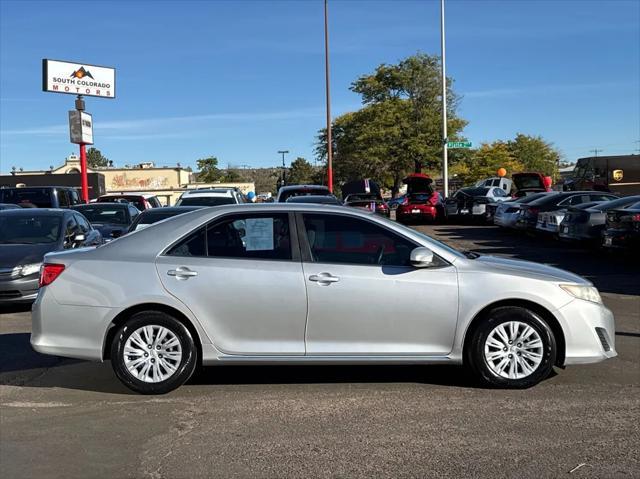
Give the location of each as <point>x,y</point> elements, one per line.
<point>611,273</point>
<point>15,308</point>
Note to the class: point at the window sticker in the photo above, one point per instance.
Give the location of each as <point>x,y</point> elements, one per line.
<point>259,234</point>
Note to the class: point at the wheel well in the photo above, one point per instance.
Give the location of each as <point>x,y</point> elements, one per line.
<point>544,313</point>
<point>123,316</point>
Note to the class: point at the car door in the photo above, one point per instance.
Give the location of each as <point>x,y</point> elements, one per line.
<point>451,204</point>
<point>241,276</point>
<point>364,297</point>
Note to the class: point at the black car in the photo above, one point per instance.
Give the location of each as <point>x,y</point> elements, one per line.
<point>41,196</point>
<point>528,216</point>
<point>623,228</point>
<point>8,206</point>
<point>111,219</point>
<point>26,235</point>
<point>153,215</point>
<point>589,224</point>
<point>141,201</point>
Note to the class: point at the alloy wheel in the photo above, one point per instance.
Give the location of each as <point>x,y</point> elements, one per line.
<point>152,353</point>
<point>513,350</point>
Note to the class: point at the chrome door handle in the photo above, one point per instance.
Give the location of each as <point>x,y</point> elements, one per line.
<point>324,278</point>
<point>182,272</point>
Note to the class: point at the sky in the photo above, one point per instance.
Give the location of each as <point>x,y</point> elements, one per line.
<point>241,80</point>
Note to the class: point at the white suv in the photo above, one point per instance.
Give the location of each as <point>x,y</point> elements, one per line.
<point>210,197</point>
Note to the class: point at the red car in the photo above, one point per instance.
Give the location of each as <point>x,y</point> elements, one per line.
<point>422,202</point>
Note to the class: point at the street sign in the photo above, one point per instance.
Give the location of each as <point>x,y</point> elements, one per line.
<point>78,79</point>
<point>459,144</point>
<point>80,127</point>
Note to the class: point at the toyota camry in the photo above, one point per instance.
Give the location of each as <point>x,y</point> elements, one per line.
<point>310,284</point>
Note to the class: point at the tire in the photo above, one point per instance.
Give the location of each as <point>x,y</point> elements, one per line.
<point>164,372</point>
<point>485,353</point>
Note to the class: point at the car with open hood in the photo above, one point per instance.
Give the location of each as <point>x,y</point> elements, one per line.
<point>422,202</point>
<point>472,201</point>
<point>588,224</point>
<point>26,236</point>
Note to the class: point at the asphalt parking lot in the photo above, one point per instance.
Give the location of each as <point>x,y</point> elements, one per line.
<point>64,418</point>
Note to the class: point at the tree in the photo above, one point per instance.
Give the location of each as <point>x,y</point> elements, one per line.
<point>398,130</point>
<point>95,158</point>
<point>209,171</point>
<point>301,172</point>
<point>231,176</point>
<point>535,154</point>
<point>485,161</point>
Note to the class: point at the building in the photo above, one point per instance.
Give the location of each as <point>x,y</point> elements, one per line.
<point>167,183</point>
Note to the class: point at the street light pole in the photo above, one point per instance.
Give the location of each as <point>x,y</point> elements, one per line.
<point>284,175</point>
<point>445,166</point>
<point>326,75</point>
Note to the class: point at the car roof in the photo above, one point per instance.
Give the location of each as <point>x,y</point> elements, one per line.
<point>102,205</point>
<point>35,211</point>
<point>170,209</point>
<point>210,192</point>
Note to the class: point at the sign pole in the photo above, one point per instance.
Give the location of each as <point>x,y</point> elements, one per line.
<point>83,157</point>
<point>445,161</point>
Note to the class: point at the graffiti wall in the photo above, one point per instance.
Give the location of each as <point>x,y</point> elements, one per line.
<point>139,180</point>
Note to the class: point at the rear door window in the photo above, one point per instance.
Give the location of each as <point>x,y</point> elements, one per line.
<point>63,199</point>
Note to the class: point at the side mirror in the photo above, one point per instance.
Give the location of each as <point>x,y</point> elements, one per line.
<point>79,238</point>
<point>421,257</point>
<point>116,233</point>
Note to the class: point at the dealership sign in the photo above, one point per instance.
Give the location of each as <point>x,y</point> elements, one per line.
<point>78,79</point>
<point>80,127</point>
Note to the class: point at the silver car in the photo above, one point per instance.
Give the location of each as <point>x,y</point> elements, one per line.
<point>310,284</point>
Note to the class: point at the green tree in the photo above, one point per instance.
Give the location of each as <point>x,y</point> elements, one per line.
<point>535,154</point>
<point>301,172</point>
<point>208,169</point>
<point>398,130</point>
<point>95,158</point>
<point>231,176</point>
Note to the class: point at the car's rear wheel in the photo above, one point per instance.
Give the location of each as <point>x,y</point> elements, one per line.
<point>153,353</point>
<point>512,347</point>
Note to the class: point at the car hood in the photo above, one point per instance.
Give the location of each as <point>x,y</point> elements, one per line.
<point>13,255</point>
<point>528,268</point>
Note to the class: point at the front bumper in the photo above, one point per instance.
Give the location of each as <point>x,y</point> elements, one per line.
<point>579,320</point>
<point>19,290</point>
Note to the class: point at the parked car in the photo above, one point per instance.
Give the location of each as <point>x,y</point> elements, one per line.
<point>528,216</point>
<point>368,202</point>
<point>623,228</point>
<point>589,224</point>
<point>26,235</point>
<point>358,287</point>
<point>423,202</point>
<point>41,196</point>
<point>111,219</point>
<point>506,212</point>
<point>211,197</point>
<point>8,206</point>
<point>286,192</point>
<point>473,201</point>
<point>149,217</point>
<point>317,199</point>
<point>501,182</point>
<point>142,201</point>
<point>393,203</point>
<point>549,221</point>
<point>530,183</point>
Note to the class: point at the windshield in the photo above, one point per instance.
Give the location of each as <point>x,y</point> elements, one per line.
<point>205,201</point>
<point>102,214</point>
<point>39,197</point>
<point>30,229</point>
<point>620,203</point>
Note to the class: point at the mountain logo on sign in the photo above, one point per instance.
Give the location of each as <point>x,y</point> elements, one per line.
<point>81,73</point>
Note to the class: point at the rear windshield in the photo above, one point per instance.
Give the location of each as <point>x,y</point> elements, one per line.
<point>137,201</point>
<point>104,214</point>
<point>206,201</point>
<point>303,192</point>
<point>620,203</point>
<point>549,199</point>
<point>532,181</point>
<point>35,229</point>
<point>329,200</point>
<point>39,197</point>
<point>531,198</point>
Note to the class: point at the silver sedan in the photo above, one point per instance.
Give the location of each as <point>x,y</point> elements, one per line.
<point>310,284</point>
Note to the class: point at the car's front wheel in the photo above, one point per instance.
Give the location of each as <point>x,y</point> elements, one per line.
<point>153,353</point>
<point>512,347</point>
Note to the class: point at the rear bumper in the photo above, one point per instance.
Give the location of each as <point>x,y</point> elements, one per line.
<point>68,331</point>
<point>579,321</point>
<point>507,220</point>
<point>620,239</point>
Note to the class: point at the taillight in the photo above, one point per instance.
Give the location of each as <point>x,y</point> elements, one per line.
<point>534,211</point>
<point>49,273</point>
<point>635,217</point>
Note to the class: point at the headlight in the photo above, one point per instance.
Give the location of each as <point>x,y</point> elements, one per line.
<point>588,293</point>
<point>27,269</point>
